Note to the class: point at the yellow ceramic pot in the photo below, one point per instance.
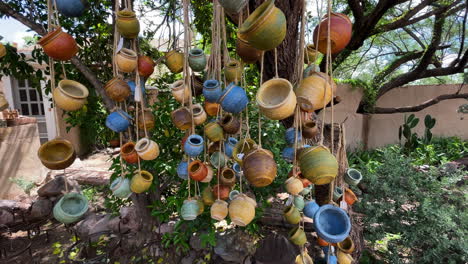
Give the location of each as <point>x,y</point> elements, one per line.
<point>314,92</point>
<point>304,259</point>
<point>347,245</point>
<point>276,99</point>
<point>344,258</point>
<point>297,236</point>
<point>175,61</point>
<point>180,91</point>
<point>70,95</point>
<point>219,210</point>
<point>242,210</point>
<point>294,186</point>
<point>2,51</point>
<point>214,131</point>
<point>207,196</point>
<point>141,181</point>
<point>126,60</point>
<point>127,24</point>
<point>318,165</point>
<point>310,55</point>
<point>199,114</point>
<point>233,71</point>
<point>292,215</point>
<point>57,154</point>
<point>201,205</point>
<point>147,149</point>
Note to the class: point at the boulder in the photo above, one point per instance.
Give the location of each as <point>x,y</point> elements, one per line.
<point>57,186</point>
<point>234,246</point>
<point>41,209</point>
<point>276,249</point>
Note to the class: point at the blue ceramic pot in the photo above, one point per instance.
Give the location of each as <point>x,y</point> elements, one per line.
<point>121,188</point>
<point>189,210</point>
<point>118,121</point>
<point>288,154</point>
<point>212,90</point>
<point>133,86</point>
<point>70,208</point>
<point>299,202</point>
<point>193,145</point>
<point>332,223</point>
<point>234,99</point>
<point>310,209</point>
<point>237,169</point>
<point>182,170</point>
<point>289,136</point>
<point>197,60</point>
<point>72,8</point>
<point>229,145</point>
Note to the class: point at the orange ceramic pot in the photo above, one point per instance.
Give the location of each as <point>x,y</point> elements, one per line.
<point>117,89</point>
<point>59,45</point>
<point>230,124</point>
<point>211,108</point>
<point>145,66</point>
<point>209,174</point>
<point>341,29</point>
<point>259,167</point>
<point>146,120</point>
<point>197,170</point>
<point>182,118</point>
<point>314,92</point>
<point>175,61</point>
<point>219,210</point>
<point>350,197</point>
<point>129,153</point>
<point>322,242</point>
<point>126,60</point>
<point>246,52</point>
<point>227,177</point>
<point>223,191</point>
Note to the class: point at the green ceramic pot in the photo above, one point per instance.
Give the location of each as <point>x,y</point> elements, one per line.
<point>299,202</point>
<point>120,187</point>
<point>189,210</point>
<point>197,60</point>
<point>318,165</point>
<point>297,236</point>
<point>218,159</point>
<point>292,215</point>
<point>70,208</point>
<point>127,24</point>
<point>337,193</point>
<point>352,176</point>
<point>214,131</point>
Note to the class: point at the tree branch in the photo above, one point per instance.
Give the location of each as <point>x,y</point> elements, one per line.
<point>357,10</point>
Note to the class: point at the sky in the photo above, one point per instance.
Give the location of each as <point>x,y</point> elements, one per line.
<point>13,31</point>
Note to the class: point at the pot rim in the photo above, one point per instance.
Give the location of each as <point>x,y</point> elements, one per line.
<point>228,116</point>
<point>170,53</point>
<point>128,53</point>
<point>308,123</point>
<point>351,246</point>
<point>193,163</point>
<point>306,151</point>
<point>126,13</point>
<point>117,183</point>
<point>258,17</point>
<point>327,207</point>
<point>123,114</point>
<point>349,192</point>
<point>290,179</point>
<point>226,169</point>
<point>143,173</point>
<point>196,52</point>
<point>50,36</point>
<point>266,85</point>
<point>233,64</point>
<point>53,142</point>
<point>195,136</point>
<point>73,195</point>
<point>211,82</point>
<point>354,170</point>
<point>199,108</point>
<point>143,144</point>
<point>75,84</point>
<point>256,150</point>
<point>222,202</point>
<point>293,232</point>
<point>125,149</point>
<point>232,141</point>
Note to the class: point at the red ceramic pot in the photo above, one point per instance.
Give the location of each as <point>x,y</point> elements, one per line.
<point>341,29</point>
<point>129,153</point>
<point>59,45</point>
<point>223,191</point>
<point>197,170</point>
<point>145,66</point>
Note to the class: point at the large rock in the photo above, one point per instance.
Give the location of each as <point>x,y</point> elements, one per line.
<point>6,217</point>
<point>234,246</point>
<point>41,209</point>
<point>128,221</point>
<point>57,186</point>
<point>276,249</point>
<point>92,226</point>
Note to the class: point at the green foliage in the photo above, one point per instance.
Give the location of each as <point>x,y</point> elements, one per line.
<point>369,91</point>
<point>25,185</point>
<point>412,139</point>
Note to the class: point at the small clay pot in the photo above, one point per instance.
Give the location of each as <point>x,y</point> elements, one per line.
<point>211,108</point>
<point>219,209</point>
<point>70,95</point>
<point>349,197</point>
<point>347,245</point>
<point>233,71</point>
<point>70,208</point>
<point>246,52</point>
<point>57,154</point>
<point>197,60</point>
<point>146,120</point>
<point>197,170</point>
<point>227,177</point>
<point>127,24</point>
<point>141,181</point>
<point>292,215</point>
<point>294,186</point>
<point>189,210</point>
<point>309,129</point>
<point>126,60</point>
<point>214,131</point>
<point>207,196</point>
<point>129,153</point>
<point>260,168</point>
<point>175,61</point>
<point>117,89</point>
<point>145,66</point>
<point>223,191</point>
<point>199,114</point>
<point>147,149</point>
<point>230,124</point>
<point>209,174</point>
<point>180,91</point>
<point>297,236</point>
<point>59,45</point>
<point>182,118</point>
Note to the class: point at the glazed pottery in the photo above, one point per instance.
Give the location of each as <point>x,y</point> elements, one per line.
<point>347,245</point>
<point>344,258</point>
<point>276,99</point>
<point>132,86</point>
<point>141,181</point>
<point>309,129</point>
<point>314,92</point>
<point>182,170</point>
<point>175,61</point>
<point>70,208</point>
<point>237,169</point>
<point>126,60</point>
<point>218,159</point>
<point>209,173</point>
<point>182,118</point>
<point>57,154</point>
<point>193,146</point>
<point>322,243</point>
<point>288,154</point>
<point>211,108</point>
<point>199,114</point>
<point>230,124</point>
<point>117,89</point>
<point>145,66</point>
<point>227,177</point>
<point>129,153</point>
<point>349,196</point>
<point>246,52</point>
<point>292,215</point>
<point>337,193</point>
<point>201,206</point>
<point>242,210</point>
<point>212,90</point>
<point>310,209</point>
<point>70,95</point>
<point>146,120</point>
<point>352,176</point>
<point>234,99</point>
<point>304,259</point>
<point>318,165</point>
<point>189,210</point>
<point>59,45</point>
<point>229,145</point>
<point>332,223</point>
<point>223,191</point>
<point>310,55</point>
<point>197,170</point>
<point>233,71</point>
<point>265,28</point>
<point>214,131</point>
<point>242,147</point>
<point>118,121</point>
<point>340,33</point>
<point>127,24</point>
<point>297,236</point>
<point>71,8</point>
<point>207,196</point>
<point>233,194</point>
<point>293,185</point>
<point>120,187</point>
<point>147,149</point>
<point>305,191</point>
<point>233,6</point>
<point>259,167</point>
<point>298,202</point>
<point>289,136</point>
<point>3,51</point>
<point>219,210</point>
<point>180,91</point>
<point>197,60</point>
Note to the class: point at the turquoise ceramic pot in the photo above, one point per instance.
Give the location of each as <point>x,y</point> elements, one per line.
<point>352,176</point>
<point>233,194</point>
<point>121,188</point>
<point>218,160</point>
<point>299,202</point>
<point>189,210</point>
<point>306,191</point>
<point>70,208</point>
<point>337,193</point>
<point>197,60</point>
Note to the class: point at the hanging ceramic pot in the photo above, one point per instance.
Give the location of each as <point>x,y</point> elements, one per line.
<point>242,210</point>
<point>292,215</point>
<point>120,187</point>
<point>222,190</point>
<point>219,210</point>
<point>146,120</point>
<point>242,147</point>
<point>194,145</point>
<point>199,114</point>
<point>344,258</point>
<point>70,95</point>
<point>212,90</point>
<point>145,66</point>
<point>201,206</point>
<point>265,28</point>
<point>57,154</point>
<point>211,108</point>
<point>341,29</point>
<point>309,70</point>
<point>290,136</point>
<point>293,186</point>
<point>182,118</point>
<point>229,145</point>
<point>310,55</point>
<point>129,153</point>
<point>117,89</point>
<point>237,170</point>
<point>233,194</point>
<point>209,173</point>
<point>314,92</point>
<point>141,181</point>
<point>332,223</point>
<point>197,60</point>
<point>297,236</point>
<point>233,71</point>
<point>213,147</point>
<point>259,167</point>
<point>127,24</point>
<point>318,165</point>
<point>59,45</point>
<point>322,243</point>
<point>246,52</point>
<point>352,176</point>
<point>337,193</point>
<point>207,196</point>
<point>349,197</point>
<point>182,170</point>
<point>118,121</point>
<point>309,129</point>
<point>175,61</point>
<point>330,259</point>
<point>70,208</point>
<point>197,170</point>
<point>227,177</point>
<point>304,258</point>
<point>180,91</point>
<point>310,209</point>
<point>230,124</point>
<point>233,6</point>
<point>126,60</point>
<point>189,210</point>
<point>132,86</point>
<point>218,159</point>
<point>276,99</point>
<point>234,99</point>
<point>72,8</point>
<point>306,191</point>
<point>347,245</point>
<point>3,51</point>
<point>288,154</point>
<point>299,202</point>
<point>214,131</point>
<point>147,149</point>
